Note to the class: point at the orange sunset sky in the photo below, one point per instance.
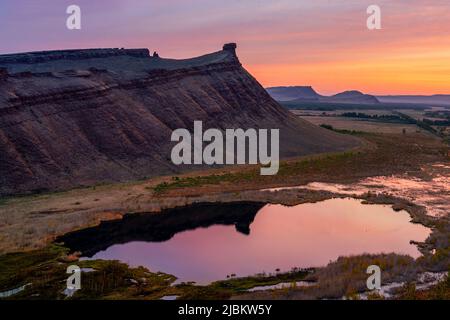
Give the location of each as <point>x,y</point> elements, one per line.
<point>322,43</point>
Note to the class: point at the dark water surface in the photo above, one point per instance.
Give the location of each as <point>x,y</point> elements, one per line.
<point>206,242</point>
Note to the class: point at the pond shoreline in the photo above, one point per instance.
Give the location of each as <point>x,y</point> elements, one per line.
<point>433,246</point>
<point>30,224</point>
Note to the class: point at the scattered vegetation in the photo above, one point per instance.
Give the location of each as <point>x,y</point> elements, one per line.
<point>44,273</point>
<point>324,106</point>
<point>343,131</point>
<point>438,114</point>
<point>396,117</point>
<point>187,182</point>
<point>440,291</point>
<point>436,122</point>
<point>116,280</point>
<point>388,157</point>
<point>382,118</point>
<point>242,284</point>
<point>419,123</point>
<point>43,269</point>
<point>228,288</point>
<point>347,275</point>
<point>286,169</point>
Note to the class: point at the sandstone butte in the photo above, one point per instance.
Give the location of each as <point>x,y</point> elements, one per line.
<point>74,118</point>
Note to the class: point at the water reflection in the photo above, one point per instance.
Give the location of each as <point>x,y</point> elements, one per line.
<point>202,243</point>
<point>432,190</point>
<point>159,227</point>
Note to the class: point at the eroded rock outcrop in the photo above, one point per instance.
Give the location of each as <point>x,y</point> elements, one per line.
<point>51,56</point>
<point>77,118</point>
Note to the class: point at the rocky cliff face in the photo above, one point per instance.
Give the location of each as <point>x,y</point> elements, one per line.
<point>82,117</point>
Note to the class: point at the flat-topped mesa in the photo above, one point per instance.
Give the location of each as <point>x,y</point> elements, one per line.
<point>124,63</point>
<point>45,56</point>
<point>78,118</point>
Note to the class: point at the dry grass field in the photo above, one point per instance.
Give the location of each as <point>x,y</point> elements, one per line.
<point>353,124</point>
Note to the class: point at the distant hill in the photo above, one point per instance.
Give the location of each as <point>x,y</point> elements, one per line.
<point>437,99</point>
<point>308,94</point>
<point>293,93</point>
<point>351,97</point>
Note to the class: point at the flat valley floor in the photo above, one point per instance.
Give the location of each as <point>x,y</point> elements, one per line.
<point>29,225</point>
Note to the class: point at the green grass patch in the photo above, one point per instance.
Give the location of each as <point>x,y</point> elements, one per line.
<point>225,289</point>
<point>42,268</point>
<point>116,280</point>
<point>242,284</point>
<point>214,179</point>
<point>45,271</point>
<point>313,164</point>
<point>343,131</point>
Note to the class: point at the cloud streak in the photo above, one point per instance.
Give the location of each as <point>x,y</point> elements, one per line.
<point>323,43</point>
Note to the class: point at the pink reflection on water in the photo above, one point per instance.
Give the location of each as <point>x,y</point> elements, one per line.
<point>432,193</point>
<point>282,237</point>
